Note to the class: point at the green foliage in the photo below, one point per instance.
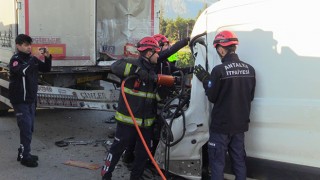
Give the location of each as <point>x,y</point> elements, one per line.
<point>177,29</point>
<point>185,59</point>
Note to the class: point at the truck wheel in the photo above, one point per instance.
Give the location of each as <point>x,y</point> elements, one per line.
<point>4,109</point>
<point>4,112</point>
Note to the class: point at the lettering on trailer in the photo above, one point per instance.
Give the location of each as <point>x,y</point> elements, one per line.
<point>62,91</point>
<point>44,89</point>
<point>230,71</point>
<point>93,95</point>
<point>46,40</point>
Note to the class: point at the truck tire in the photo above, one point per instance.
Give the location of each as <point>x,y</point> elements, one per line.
<point>4,112</point>
<point>4,109</point>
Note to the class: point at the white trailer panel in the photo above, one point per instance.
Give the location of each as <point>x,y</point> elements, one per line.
<point>7,29</point>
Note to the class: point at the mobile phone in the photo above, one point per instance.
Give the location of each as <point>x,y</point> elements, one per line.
<point>43,50</point>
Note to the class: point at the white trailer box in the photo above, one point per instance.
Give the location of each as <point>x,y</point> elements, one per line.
<point>84,37</point>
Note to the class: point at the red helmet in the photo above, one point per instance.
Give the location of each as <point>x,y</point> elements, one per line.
<point>225,38</point>
<point>161,39</point>
<point>148,43</point>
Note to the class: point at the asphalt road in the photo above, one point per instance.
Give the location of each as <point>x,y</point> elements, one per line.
<point>52,125</point>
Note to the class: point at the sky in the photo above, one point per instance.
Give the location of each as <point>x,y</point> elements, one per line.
<point>183,8</point>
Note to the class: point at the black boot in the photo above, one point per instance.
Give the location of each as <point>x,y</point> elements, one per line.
<point>20,156</point>
<point>29,162</point>
<point>33,157</point>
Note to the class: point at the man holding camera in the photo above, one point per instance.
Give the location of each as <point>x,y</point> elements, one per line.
<point>23,87</point>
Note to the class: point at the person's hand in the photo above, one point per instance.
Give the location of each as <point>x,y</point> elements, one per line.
<point>201,73</point>
<point>145,76</point>
<point>44,51</point>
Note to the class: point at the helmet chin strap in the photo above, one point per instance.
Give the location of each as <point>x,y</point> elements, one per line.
<point>153,52</point>
<point>149,59</point>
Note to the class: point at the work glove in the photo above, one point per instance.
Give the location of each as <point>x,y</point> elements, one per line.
<point>201,73</point>
<point>145,76</point>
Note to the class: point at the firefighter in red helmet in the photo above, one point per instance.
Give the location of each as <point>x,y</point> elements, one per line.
<point>166,68</point>
<point>143,102</point>
<point>230,87</point>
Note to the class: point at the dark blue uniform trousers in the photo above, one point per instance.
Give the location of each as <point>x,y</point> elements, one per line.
<point>124,135</point>
<point>218,145</point>
<point>25,114</point>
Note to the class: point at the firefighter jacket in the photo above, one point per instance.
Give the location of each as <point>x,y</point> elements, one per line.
<point>231,88</point>
<point>142,98</point>
<point>23,86</point>
<point>164,66</point>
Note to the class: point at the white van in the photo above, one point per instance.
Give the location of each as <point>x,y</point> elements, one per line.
<point>280,39</point>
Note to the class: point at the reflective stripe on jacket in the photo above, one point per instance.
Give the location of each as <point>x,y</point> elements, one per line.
<point>128,120</point>
<point>142,94</point>
<point>142,99</point>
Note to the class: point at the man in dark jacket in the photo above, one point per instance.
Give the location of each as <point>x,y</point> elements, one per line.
<point>23,89</point>
<point>142,97</point>
<point>230,87</point>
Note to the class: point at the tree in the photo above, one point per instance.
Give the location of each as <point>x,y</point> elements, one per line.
<point>163,25</point>
<point>176,29</point>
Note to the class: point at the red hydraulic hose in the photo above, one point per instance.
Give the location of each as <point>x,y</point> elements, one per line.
<point>139,132</point>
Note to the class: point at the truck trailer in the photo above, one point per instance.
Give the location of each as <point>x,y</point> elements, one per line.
<point>84,37</point>
<point>279,38</point>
